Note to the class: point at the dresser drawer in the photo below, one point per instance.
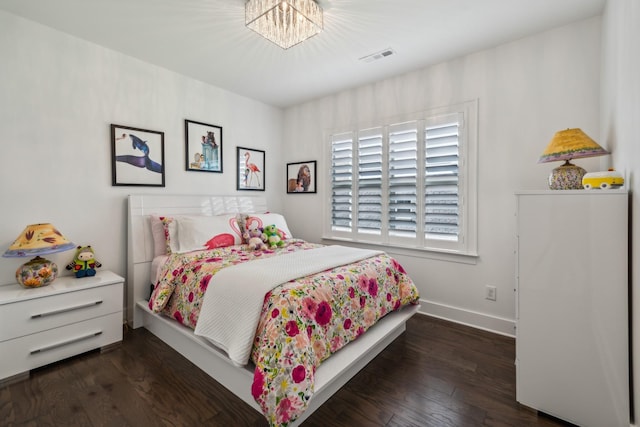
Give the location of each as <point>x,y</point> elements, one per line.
<point>32,351</point>
<point>40,314</point>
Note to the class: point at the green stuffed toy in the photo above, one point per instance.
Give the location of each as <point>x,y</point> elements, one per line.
<point>272,236</point>
<point>84,263</point>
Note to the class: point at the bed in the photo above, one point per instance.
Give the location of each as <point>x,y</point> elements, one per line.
<point>331,374</point>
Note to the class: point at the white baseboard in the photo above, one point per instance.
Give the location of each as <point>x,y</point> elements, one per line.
<point>497,325</point>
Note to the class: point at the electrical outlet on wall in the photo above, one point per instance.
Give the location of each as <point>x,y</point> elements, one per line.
<point>490,293</point>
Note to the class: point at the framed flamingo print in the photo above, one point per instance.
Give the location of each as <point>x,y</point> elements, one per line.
<point>250,169</point>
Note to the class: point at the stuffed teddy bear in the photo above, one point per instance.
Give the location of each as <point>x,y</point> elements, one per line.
<point>84,263</point>
<point>273,236</point>
<point>253,237</point>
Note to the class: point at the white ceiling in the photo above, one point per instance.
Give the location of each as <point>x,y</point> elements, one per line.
<point>207,39</point>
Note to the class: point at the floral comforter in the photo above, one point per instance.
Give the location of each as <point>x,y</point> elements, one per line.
<point>302,322</point>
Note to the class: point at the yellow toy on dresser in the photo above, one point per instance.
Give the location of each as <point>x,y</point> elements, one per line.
<point>603,180</point>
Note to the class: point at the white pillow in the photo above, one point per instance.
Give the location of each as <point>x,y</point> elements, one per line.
<point>205,232</point>
<point>262,220</point>
<point>157,231</point>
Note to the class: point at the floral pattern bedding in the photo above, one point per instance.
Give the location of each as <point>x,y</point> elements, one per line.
<point>302,322</point>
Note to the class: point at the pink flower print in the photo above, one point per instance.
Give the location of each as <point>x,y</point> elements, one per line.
<point>298,374</point>
<point>204,282</point>
<point>323,314</point>
<point>274,313</point>
<point>309,331</point>
<point>347,324</point>
<point>373,287</point>
<point>151,304</point>
<point>309,307</point>
<point>363,282</point>
<point>388,296</point>
<point>352,292</point>
<point>397,266</point>
<point>292,328</point>
<point>363,301</point>
<point>178,316</point>
<point>282,411</point>
<point>190,296</point>
<point>396,305</point>
<point>360,331</point>
<point>258,383</point>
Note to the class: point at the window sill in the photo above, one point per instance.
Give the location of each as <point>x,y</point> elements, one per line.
<point>425,253</point>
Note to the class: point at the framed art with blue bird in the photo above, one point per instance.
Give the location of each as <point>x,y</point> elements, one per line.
<point>203,147</point>
<point>137,156</point>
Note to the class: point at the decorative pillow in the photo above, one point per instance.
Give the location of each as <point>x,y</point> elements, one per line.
<point>170,233</point>
<point>262,220</point>
<point>206,232</point>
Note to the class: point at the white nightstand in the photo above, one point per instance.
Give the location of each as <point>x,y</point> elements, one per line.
<point>71,316</point>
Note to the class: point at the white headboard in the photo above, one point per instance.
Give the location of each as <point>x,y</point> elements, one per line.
<point>140,240</point>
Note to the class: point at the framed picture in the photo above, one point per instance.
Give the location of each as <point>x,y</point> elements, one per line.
<point>203,147</point>
<point>137,156</point>
<point>250,169</point>
<point>301,177</point>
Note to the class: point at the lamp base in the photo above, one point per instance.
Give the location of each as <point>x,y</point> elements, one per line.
<point>37,272</point>
<point>566,177</point>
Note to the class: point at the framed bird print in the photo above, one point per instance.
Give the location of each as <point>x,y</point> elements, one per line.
<point>203,147</point>
<point>137,156</point>
<point>301,177</point>
<point>250,169</point>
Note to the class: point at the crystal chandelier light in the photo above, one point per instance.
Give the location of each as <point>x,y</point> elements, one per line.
<point>284,22</point>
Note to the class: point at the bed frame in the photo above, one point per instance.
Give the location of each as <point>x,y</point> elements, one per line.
<point>330,376</point>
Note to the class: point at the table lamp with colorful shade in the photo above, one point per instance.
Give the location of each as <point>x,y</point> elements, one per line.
<point>567,145</point>
<point>36,240</point>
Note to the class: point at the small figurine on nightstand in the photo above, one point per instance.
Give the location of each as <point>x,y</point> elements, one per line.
<point>84,263</point>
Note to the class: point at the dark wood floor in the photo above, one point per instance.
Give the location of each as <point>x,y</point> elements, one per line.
<point>436,374</point>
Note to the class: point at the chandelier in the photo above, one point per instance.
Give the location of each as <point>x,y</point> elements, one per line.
<point>284,22</point>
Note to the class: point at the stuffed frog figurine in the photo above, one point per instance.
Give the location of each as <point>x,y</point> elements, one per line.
<point>273,236</point>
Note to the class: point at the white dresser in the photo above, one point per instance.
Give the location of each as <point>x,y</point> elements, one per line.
<point>572,341</point>
<point>71,316</point>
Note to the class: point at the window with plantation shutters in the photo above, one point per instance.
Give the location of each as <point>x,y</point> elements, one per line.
<point>403,177</point>
<point>441,184</point>
<point>407,184</point>
<point>369,181</point>
<point>341,181</point>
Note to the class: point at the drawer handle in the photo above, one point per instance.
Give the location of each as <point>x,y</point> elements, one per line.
<point>64,310</point>
<point>60,344</point>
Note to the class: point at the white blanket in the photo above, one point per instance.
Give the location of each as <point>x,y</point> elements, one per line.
<point>231,306</point>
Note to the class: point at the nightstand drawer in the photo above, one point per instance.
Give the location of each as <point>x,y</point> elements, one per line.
<point>41,314</point>
<point>25,353</point>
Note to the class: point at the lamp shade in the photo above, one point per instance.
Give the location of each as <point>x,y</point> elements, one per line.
<point>284,22</point>
<point>36,240</point>
<point>571,144</point>
<point>566,145</point>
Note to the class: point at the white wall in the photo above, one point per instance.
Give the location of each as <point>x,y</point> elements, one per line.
<point>620,128</point>
<point>527,90</point>
<point>58,96</point>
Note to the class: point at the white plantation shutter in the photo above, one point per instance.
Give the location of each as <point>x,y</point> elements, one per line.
<point>408,184</point>
<point>369,204</point>
<point>342,181</point>
<point>403,176</point>
<point>442,218</point>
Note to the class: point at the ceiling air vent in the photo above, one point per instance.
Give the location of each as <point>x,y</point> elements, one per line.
<point>378,55</point>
